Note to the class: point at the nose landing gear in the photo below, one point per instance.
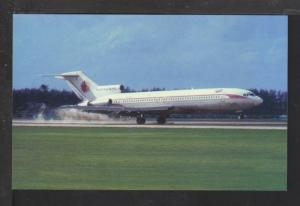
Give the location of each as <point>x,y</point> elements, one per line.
<point>241,116</point>
<point>140,119</point>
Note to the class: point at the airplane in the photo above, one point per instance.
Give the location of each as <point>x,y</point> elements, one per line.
<point>111,99</point>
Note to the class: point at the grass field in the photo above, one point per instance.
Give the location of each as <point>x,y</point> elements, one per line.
<point>142,158</point>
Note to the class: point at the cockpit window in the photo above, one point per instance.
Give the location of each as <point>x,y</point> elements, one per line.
<point>248,94</point>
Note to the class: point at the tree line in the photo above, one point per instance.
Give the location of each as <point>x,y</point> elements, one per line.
<point>275,102</point>
<point>27,103</point>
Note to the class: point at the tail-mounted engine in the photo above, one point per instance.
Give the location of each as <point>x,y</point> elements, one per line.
<point>110,89</point>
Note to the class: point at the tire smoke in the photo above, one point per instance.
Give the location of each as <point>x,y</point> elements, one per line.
<point>74,114</point>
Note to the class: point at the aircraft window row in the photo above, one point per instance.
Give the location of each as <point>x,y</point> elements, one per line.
<point>166,99</point>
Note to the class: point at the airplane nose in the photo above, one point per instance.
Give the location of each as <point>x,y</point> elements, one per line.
<point>259,101</point>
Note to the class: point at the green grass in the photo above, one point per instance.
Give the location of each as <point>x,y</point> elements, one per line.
<point>139,158</point>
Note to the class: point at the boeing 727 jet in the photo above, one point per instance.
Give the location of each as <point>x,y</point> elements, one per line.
<point>110,99</point>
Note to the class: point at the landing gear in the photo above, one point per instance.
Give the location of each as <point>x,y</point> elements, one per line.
<point>161,120</point>
<point>241,116</point>
<point>140,119</point>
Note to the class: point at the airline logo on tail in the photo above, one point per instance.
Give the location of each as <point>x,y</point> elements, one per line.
<point>84,87</point>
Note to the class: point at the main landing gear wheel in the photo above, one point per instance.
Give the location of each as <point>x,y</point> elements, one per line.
<point>140,119</point>
<point>161,120</point>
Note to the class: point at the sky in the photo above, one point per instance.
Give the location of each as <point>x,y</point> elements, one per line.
<point>146,51</point>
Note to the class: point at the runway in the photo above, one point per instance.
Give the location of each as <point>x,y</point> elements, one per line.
<point>172,123</point>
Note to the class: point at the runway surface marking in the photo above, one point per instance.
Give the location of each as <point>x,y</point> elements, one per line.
<point>152,124</point>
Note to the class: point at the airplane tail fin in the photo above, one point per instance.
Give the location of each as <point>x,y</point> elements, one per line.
<point>82,86</point>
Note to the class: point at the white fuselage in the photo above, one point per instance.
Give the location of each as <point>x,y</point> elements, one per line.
<point>110,97</point>
<point>219,99</point>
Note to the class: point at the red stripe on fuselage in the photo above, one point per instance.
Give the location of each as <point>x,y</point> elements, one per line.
<point>235,96</point>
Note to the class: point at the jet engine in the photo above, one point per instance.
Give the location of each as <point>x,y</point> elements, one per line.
<point>111,89</point>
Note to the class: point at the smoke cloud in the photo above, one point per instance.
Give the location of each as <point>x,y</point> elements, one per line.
<point>74,114</point>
